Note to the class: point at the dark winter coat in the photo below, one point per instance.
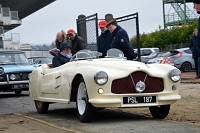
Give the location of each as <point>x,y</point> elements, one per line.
<point>194,47</point>
<point>198,37</point>
<point>59,60</point>
<point>121,42</point>
<point>104,42</point>
<point>78,44</point>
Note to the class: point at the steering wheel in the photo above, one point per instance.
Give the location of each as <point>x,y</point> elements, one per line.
<point>90,57</point>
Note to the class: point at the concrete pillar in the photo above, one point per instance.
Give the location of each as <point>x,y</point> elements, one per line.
<point>81,27</point>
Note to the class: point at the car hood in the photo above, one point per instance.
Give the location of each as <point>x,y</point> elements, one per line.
<point>114,64</point>
<point>17,68</point>
<point>118,67</point>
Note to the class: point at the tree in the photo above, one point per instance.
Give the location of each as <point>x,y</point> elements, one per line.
<point>163,38</point>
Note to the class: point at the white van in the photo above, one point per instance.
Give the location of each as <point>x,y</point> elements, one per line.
<point>147,51</point>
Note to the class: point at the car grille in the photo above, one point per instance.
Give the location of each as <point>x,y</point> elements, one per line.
<point>19,76</point>
<point>126,86</point>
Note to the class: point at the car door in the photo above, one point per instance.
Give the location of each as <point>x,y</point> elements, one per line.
<point>50,82</point>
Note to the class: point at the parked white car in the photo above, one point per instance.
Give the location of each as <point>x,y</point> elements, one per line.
<point>113,81</point>
<point>144,52</point>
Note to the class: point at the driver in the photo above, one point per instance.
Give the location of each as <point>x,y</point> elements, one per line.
<point>64,56</point>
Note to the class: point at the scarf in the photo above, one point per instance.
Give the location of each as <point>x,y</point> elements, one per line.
<point>66,55</point>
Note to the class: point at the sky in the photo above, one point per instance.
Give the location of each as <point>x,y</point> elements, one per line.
<point>42,26</point>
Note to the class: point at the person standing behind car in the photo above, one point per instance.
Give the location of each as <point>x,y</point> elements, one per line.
<point>105,39</point>
<point>76,41</point>
<point>60,37</point>
<point>197,7</point>
<point>64,56</point>
<point>194,48</point>
<point>121,40</point>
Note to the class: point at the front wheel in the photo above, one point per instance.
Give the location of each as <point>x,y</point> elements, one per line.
<point>85,110</point>
<point>160,111</point>
<point>42,107</point>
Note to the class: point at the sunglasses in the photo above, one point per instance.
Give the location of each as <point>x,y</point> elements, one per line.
<point>70,35</point>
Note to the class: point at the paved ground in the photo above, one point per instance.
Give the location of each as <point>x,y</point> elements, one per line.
<point>188,77</point>
<point>23,124</point>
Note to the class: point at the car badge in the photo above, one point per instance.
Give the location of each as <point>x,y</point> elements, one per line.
<point>140,87</point>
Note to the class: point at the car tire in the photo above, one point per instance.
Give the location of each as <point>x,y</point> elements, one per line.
<point>42,107</point>
<point>18,92</point>
<point>186,67</point>
<point>85,110</point>
<point>160,111</point>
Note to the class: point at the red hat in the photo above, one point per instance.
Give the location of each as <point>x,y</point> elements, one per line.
<point>102,24</point>
<point>70,31</point>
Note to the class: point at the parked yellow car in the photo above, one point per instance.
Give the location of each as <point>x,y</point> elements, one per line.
<point>113,81</point>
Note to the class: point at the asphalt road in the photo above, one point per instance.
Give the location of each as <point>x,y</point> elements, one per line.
<point>108,120</point>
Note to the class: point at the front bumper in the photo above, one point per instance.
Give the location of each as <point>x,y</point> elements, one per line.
<point>117,100</point>
<point>14,85</point>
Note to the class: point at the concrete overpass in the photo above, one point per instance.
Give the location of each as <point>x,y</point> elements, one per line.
<point>11,13</point>
<point>25,7</point>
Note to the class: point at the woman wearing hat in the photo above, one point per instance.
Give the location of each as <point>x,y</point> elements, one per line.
<point>64,56</point>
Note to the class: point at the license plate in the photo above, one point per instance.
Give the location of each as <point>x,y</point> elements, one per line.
<point>20,86</point>
<point>139,99</point>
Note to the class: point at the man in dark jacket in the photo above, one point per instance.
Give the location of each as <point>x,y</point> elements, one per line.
<point>105,39</point>
<point>121,40</point>
<point>64,56</point>
<point>194,48</point>
<point>197,7</point>
<point>76,41</point>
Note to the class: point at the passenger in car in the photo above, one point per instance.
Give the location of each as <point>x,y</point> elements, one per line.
<point>64,56</point>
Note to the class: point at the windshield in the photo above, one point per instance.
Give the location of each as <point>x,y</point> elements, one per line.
<point>13,58</point>
<point>40,60</point>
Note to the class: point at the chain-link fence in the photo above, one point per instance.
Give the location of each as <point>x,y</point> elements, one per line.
<point>87,28</point>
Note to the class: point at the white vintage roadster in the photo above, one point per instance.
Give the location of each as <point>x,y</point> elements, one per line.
<point>94,83</point>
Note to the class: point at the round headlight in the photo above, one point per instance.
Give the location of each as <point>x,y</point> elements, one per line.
<point>29,75</point>
<point>174,75</point>
<point>1,70</point>
<point>12,76</point>
<point>101,77</point>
